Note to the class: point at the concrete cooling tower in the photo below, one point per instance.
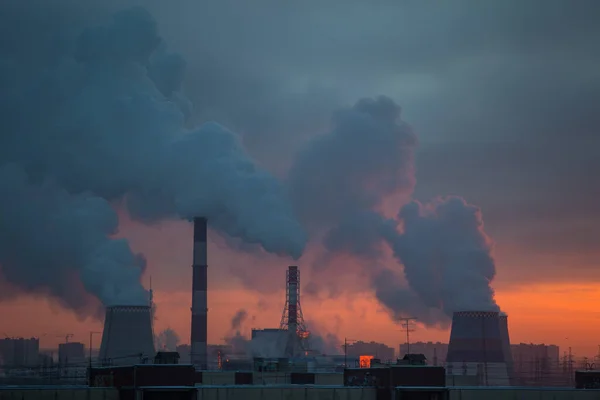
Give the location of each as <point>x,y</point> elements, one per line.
<point>127,337</point>
<point>480,347</point>
<point>506,347</point>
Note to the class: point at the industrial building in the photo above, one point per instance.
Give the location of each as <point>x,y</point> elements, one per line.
<point>270,343</point>
<point>294,392</point>
<point>292,338</point>
<point>434,352</point>
<point>184,351</point>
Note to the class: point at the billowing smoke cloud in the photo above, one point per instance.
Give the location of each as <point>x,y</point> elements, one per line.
<point>327,343</point>
<point>104,120</point>
<point>101,119</point>
<point>368,156</point>
<point>447,255</point>
<point>340,183</point>
<point>50,239</point>
<point>323,340</point>
<point>401,300</point>
<point>167,340</point>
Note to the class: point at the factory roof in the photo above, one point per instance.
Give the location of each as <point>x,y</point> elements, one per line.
<point>42,387</point>
<point>142,365</point>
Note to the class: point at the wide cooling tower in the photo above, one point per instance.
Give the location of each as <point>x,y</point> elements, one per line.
<point>479,349</point>
<point>127,336</point>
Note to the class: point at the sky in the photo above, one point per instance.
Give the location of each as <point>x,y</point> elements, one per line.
<point>501,95</point>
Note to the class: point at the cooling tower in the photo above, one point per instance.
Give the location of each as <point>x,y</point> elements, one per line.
<point>199,296</point>
<point>127,336</point>
<point>479,345</point>
<point>506,347</point>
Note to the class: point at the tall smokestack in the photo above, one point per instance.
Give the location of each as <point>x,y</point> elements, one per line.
<point>199,296</point>
<point>127,337</point>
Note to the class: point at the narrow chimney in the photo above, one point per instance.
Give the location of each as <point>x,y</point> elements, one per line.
<point>199,296</point>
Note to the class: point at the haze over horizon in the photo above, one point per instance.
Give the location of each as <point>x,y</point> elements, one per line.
<point>492,103</point>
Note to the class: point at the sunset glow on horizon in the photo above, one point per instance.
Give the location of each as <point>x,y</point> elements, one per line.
<point>561,314</point>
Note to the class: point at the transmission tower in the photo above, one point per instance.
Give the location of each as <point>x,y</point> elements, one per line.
<point>292,319</point>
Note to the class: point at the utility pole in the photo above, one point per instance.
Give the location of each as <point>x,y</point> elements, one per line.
<point>91,335</point>
<point>345,353</point>
<point>407,326</point>
<point>570,366</point>
<point>346,340</point>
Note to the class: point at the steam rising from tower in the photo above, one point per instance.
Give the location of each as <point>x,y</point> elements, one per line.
<point>199,296</point>
<point>115,133</point>
<point>127,337</point>
<point>341,181</point>
<point>112,126</point>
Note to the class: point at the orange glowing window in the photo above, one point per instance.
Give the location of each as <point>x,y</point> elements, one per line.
<point>365,361</point>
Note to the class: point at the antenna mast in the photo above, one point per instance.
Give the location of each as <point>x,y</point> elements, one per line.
<point>406,324</point>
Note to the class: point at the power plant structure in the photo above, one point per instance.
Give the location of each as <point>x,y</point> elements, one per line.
<point>199,324</point>
<point>127,336</point>
<point>480,345</point>
<point>292,319</point>
<point>506,347</point>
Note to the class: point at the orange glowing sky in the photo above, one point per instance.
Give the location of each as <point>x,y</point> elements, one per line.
<point>521,145</point>
<point>563,314</point>
<point>560,313</point>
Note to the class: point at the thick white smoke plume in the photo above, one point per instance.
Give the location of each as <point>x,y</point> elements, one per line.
<point>102,120</point>
<point>339,184</point>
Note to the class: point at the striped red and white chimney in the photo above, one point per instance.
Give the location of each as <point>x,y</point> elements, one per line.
<point>199,295</point>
